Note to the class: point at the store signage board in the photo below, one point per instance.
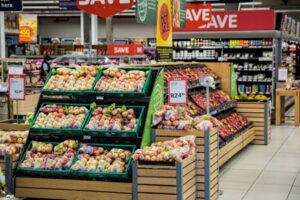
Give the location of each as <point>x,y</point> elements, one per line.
<point>11,5</point>
<point>28,28</point>
<point>125,49</point>
<point>146,11</point>
<point>198,15</point>
<point>16,85</point>
<point>282,74</point>
<point>177,90</point>
<point>164,31</point>
<point>179,13</point>
<point>15,67</point>
<point>227,20</point>
<point>67,5</point>
<point>104,8</point>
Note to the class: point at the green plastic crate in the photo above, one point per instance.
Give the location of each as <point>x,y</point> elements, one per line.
<point>94,174</point>
<point>140,111</point>
<point>69,92</point>
<point>58,130</point>
<point>41,172</point>
<point>121,94</point>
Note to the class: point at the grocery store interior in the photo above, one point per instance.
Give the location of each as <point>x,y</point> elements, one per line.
<point>150,99</point>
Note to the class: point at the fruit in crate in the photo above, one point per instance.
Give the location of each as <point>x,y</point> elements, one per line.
<point>119,80</point>
<point>58,116</point>
<point>72,79</point>
<point>220,96</point>
<point>113,118</point>
<point>99,159</point>
<point>167,151</point>
<point>45,156</point>
<point>12,142</point>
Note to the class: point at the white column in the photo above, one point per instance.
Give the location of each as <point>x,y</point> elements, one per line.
<point>2,35</point>
<point>82,27</point>
<point>94,27</point>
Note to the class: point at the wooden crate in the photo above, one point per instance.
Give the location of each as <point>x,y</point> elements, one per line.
<point>47,188</point>
<point>26,106</point>
<point>207,169</point>
<point>260,115</point>
<point>170,181</point>
<point>235,145</point>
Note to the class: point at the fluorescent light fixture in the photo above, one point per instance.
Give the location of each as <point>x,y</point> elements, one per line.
<point>286,11</point>
<point>262,8</point>
<point>250,3</point>
<point>218,9</point>
<point>218,4</point>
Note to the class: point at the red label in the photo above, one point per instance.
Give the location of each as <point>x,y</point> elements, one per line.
<point>125,49</point>
<point>227,20</point>
<point>104,8</point>
<point>198,15</point>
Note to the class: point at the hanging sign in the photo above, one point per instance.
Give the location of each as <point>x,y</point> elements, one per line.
<point>27,28</point>
<point>11,5</point>
<point>282,74</point>
<point>16,85</point>
<point>125,49</point>
<point>146,11</point>
<point>179,13</point>
<point>104,8</point>
<point>198,16</point>
<point>177,90</point>
<point>164,31</point>
<point>67,5</point>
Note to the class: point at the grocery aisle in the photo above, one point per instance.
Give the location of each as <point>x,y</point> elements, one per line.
<point>265,172</point>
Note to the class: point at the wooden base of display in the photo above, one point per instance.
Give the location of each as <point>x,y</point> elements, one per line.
<point>237,144</point>
<point>46,188</point>
<point>165,181</point>
<point>207,163</point>
<point>259,114</point>
<point>26,106</point>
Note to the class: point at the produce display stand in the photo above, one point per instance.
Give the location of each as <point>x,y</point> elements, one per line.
<point>260,115</point>
<point>175,181</point>
<point>236,145</point>
<point>207,171</point>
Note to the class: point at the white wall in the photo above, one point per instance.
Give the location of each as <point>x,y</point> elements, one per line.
<point>123,28</point>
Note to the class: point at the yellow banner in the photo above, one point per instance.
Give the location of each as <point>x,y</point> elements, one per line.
<point>28,28</point>
<point>164,24</point>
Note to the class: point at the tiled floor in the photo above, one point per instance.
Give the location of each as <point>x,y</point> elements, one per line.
<point>265,172</point>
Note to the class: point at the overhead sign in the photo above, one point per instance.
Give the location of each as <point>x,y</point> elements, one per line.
<point>197,17</point>
<point>125,49</point>
<point>104,8</point>
<point>179,13</point>
<point>177,90</point>
<point>164,31</point>
<point>146,11</point>
<point>11,5</point>
<point>67,5</point>
<point>28,28</point>
<point>16,85</point>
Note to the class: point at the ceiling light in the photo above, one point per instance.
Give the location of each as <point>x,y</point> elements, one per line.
<point>262,8</point>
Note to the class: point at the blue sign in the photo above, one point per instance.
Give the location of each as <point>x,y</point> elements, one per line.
<point>67,5</point>
<point>11,5</point>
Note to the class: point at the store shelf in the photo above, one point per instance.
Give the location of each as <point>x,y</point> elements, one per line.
<point>254,81</point>
<point>257,70</point>
<point>251,48</point>
<point>195,48</point>
<point>198,59</point>
<point>261,59</point>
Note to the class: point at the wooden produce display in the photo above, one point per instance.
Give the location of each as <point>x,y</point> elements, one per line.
<point>260,115</point>
<point>170,181</point>
<point>47,188</point>
<point>206,159</point>
<point>235,145</point>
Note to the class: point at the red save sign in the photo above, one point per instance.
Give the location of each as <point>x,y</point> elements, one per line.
<point>258,20</point>
<point>198,14</point>
<point>125,49</point>
<point>104,8</point>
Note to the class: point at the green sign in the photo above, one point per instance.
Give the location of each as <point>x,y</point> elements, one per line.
<point>233,82</point>
<point>179,13</point>
<point>156,101</point>
<point>146,11</point>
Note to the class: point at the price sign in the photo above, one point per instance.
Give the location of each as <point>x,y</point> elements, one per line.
<point>282,74</point>
<point>177,90</point>
<point>16,85</point>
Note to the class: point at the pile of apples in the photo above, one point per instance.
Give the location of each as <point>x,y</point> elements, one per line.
<point>113,118</point>
<point>72,79</point>
<point>44,156</point>
<point>192,73</point>
<point>99,159</point>
<point>12,142</point>
<point>167,151</point>
<point>231,124</point>
<point>58,116</point>
<point>119,80</point>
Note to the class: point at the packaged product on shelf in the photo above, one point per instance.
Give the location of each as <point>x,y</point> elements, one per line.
<point>12,142</point>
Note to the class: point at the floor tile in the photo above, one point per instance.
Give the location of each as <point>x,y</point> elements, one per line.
<point>276,178</point>
<point>230,194</point>
<point>294,194</point>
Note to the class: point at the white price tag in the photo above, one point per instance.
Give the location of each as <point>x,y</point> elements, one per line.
<point>177,90</point>
<point>15,67</point>
<point>16,87</point>
<point>282,74</point>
